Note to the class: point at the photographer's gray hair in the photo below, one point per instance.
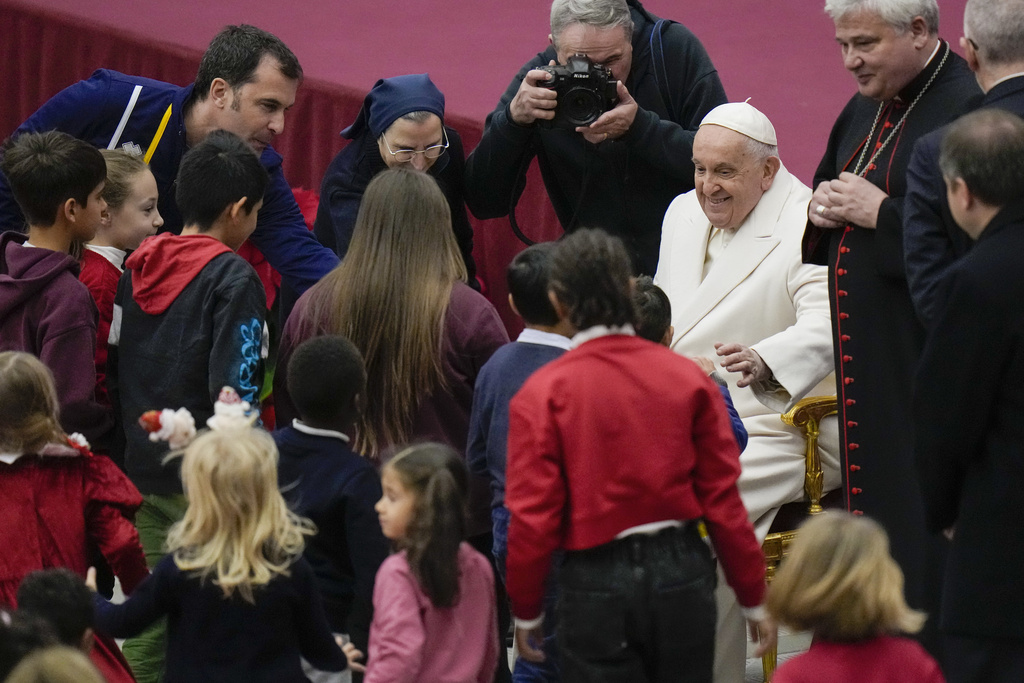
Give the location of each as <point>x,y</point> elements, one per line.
<point>602,14</point>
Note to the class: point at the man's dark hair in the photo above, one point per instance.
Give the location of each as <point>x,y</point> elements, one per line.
<point>324,376</point>
<point>590,275</point>
<point>653,309</point>
<point>22,633</point>
<point>61,598</point>
<point>47,169</point>
<point>528,276</point>
<point>215,174</point>
<point>985,149</point>
<point>236,52</point>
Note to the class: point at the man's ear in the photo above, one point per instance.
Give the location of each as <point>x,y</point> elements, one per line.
<point>220,92</point>
<point>919,30</point>
<point>970,54</point>
<point>771,168</point>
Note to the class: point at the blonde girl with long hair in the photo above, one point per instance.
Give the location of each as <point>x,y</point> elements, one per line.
<point>841,583</point>
<point>241,602</point>
<point>400,296</point>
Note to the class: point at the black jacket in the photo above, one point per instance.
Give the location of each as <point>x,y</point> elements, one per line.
<point>969,433</point>
<point>623,186</point>
<point>199,327</point>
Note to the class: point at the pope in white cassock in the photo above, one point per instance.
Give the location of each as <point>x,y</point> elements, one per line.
<point>731,266</point>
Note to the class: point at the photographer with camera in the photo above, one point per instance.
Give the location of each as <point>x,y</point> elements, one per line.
<point>620,170</point>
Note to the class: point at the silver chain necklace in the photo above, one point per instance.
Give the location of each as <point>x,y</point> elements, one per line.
<point>863,171</point>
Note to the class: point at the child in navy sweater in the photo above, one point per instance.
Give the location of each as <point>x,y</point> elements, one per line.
<point>654,323</point>
<point>323,479</point>
<point>544,339</point>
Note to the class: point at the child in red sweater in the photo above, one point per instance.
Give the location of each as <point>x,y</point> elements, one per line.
<point>56,497</point>
<point>132,215</point>
<point>616,451</point>
<point>841,582</point>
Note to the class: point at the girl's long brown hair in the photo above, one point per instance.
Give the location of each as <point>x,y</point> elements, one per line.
<point>389,296</point>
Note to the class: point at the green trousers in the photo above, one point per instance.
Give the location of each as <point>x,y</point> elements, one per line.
<point>145,652</point>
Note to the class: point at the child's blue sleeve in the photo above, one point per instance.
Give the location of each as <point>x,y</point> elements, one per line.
<point>738,430</point>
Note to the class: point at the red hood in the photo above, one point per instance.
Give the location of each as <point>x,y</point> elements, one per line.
<point>165,264</point>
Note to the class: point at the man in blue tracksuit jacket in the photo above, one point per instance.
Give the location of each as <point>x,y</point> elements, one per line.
<point>246,81</point>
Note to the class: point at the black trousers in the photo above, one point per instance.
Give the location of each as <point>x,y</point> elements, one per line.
<point>641,608</point>
<point>983,660</point>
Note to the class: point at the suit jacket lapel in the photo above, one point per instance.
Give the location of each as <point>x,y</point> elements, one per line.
<point>752,243</point>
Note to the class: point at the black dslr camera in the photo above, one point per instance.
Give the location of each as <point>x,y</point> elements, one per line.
<point>585,91</point>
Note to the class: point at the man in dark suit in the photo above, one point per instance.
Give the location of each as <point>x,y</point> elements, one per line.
<point>994,48</point>
<point>969,407</point>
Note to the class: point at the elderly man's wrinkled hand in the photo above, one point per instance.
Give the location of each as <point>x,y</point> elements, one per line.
<point>615,122</point>
<point>819,211</point>
<point>744,360</point>
<point>533,101</point>
<point>854,200</point>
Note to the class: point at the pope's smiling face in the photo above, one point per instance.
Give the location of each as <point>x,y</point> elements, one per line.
<point>728,177</point>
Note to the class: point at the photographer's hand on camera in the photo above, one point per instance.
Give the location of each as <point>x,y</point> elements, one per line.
<point>533,101</point>
<point>613,123</point>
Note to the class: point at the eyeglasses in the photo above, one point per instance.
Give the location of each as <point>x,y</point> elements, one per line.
<point>404,156</point>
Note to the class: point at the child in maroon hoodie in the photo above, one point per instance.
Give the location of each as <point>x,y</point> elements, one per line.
<point>44,309</point>
<point>188,320</point>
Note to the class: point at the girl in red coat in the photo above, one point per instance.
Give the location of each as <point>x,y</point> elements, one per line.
<point>131,216</point>
<point>840,582</point>
<point>56,496</point>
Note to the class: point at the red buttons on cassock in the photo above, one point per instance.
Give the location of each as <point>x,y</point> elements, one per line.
<point>844,337</point>
<point>856,491</point>
<point>851,424</point>
<point>841,292</point>
<point>853,446</point>
<point>841,271</point>
<point>847,359</point>
<point>855,468</point>
<point>849,228</point>
<point>850,402</point>
<point>871,167</point>
<point>844,316</point>
<point>888,124</point>
<point>844,250</point>
<point>847,380</point>
<point>857,512</point>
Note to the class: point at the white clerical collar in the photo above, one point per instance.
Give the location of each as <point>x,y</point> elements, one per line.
<point>532,336</point>
<point>1006,78</point>
<point>315,431</point>
<point>112,254</point>
<point>591,333</point>
<point>9,458</point>
<point>938,44</point>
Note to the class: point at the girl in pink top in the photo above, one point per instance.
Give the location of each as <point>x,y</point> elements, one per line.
<point>434,606</point>
<point>840,582</point>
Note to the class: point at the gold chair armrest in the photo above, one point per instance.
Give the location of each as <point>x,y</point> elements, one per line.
<point>806,416</point>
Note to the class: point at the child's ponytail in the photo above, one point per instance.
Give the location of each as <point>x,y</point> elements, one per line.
<point>439,479</point>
